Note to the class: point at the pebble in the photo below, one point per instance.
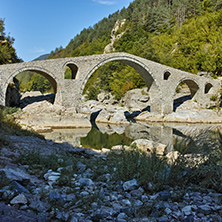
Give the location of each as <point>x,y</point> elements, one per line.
<point>20,199</point>
<point>89,199</point>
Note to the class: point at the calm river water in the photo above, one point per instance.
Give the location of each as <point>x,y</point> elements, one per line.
<point>186,137</point>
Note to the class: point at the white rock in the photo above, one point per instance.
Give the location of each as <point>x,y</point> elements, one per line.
<point>86,182</point>
<point>130,185</point>
<point>172,156</point>
<point>187,210</point>
<point>20,199</point>
<point>51,177</point>
<point>122,217</point>
<point>150,146</point>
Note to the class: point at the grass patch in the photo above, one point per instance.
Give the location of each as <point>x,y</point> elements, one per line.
<point>10,127</point>
<point>39,164</point>
<point>188,169</point>
<point>213,98</point>
<point>191,167</point>
<point>204,170</point>
<point>207,176</point>
<point>133,164</point>
<point>4,181</point>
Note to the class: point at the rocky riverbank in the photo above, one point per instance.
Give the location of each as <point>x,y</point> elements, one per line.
<point>42,115</point>
<point>87,189</point>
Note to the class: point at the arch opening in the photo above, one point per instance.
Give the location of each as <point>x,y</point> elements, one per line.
<point>166,75</point>
<point>185,90</point>
<point>70,71</point>
<point>118,76</point>
<point>208,87</point>
<point>29,86</point>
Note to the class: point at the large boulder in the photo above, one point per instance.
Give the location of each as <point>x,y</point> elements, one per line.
<point>90,106</point>
<point>112,115</point>
<point>106,98</point>
<point>12,94</point>
<point>34,97</point>
<point>150,146</point>
<point>44,115</point>
<point>136,99</point>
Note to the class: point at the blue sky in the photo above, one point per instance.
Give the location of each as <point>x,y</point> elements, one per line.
<point>39,26</point>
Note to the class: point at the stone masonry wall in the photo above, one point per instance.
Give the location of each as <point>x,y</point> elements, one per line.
<point>160,79</point>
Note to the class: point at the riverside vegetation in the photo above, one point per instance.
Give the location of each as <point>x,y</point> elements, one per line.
<point>41,180</point>
<point>46,181</point>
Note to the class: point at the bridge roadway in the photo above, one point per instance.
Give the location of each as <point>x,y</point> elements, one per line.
<point>160,79</point>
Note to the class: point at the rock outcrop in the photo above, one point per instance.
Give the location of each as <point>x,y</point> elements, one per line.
<point>113,115</point>
<point>150,146</point>
<point>114,36</point>
<point>136,99</point>
<point>35,96</point>
<point>44,115</point>
<point>12,95</point>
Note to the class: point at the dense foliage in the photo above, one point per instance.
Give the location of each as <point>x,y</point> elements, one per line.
<point>184,34</point>
<point>7,52</point>
<point>31,81</point>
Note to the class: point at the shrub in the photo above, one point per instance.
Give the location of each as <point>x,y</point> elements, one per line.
<point>141,166</point>
<point>9,126</point>
<point>92,93</point>
<point>207,176</point>
<point>4,181</point>
<point>213,98</point>
<point>39,164</point>
<point>9,110</point>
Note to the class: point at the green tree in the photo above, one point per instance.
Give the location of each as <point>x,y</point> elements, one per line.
<point>39,83</point>
<point>7,52</point>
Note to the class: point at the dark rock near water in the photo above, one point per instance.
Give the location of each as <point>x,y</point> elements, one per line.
<point>18,187</point>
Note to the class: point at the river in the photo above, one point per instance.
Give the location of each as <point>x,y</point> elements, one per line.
<point>181,137</point>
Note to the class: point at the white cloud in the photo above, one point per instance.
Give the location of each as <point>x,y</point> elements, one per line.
<point>37,50</point>
<point>104,2</point>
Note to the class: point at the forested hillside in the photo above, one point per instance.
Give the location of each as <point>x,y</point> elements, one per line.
<point>185,34</point>
<point>7,52</point>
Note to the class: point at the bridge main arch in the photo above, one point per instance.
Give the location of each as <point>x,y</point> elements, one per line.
<point>49,76</point>
<point>142,69</point>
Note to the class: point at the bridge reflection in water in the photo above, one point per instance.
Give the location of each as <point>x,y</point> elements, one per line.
<point>175,136</point>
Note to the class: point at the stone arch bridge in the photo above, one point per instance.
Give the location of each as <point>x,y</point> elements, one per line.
<point>160,79</point>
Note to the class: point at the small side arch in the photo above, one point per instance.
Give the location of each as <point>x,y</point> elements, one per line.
<point>208,87</point>
<point>193,88</point>
<point>70,70</point>
<point>166,75</point>
<point>192,84</point>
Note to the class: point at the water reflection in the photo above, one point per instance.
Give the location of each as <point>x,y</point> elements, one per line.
<point>181,137</point>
